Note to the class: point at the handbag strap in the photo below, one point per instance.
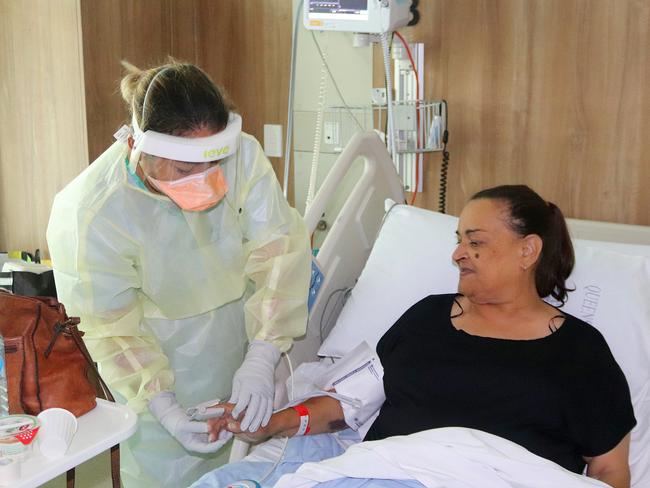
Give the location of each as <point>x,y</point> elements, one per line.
<point>71,329</point>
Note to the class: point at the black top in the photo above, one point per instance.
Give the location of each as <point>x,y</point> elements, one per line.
<point>561,397</point>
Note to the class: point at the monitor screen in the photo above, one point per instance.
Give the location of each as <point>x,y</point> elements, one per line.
<point>338,9</point>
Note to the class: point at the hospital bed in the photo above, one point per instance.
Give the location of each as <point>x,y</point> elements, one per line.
<point>381,256</point>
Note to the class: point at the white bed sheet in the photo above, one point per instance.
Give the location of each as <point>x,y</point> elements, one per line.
<point>464,458</point>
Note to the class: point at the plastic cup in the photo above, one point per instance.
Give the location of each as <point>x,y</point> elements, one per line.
<point>58,426</point>
<point>17,433</point>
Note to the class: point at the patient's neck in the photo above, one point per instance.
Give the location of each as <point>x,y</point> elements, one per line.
<point>509,303</point>
<point>520,316</point>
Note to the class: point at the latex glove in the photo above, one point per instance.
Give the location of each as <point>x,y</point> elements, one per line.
<point>253,385</point>
<point>192,435</point>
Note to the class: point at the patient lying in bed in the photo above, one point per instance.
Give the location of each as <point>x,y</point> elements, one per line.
<point>494,358</point>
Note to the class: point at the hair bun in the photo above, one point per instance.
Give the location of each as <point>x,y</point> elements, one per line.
<point>130,81</point>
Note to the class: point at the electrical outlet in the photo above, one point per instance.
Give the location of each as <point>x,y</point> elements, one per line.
<point>273,140</point>
<point>331,133</point>
<point>378,96</point>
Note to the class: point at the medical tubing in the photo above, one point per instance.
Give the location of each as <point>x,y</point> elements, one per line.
<point>275,465</point>
<point>292,91</point>
<point>383,219</point>
<point>290,365</point>
<point>355,402</point>
<point>336,86</point>
<point>385,129</point>
<point>418,116</point>
<point>325,308</point>
<point>286,439</point>
<point>4,393</point>
<point>389,96</point>
<point>313,173</point>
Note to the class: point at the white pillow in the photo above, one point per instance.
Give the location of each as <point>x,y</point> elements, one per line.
<point>612,293</point>
<point>411,259</point>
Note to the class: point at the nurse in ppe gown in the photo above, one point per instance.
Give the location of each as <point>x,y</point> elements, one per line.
<point>188,268</point>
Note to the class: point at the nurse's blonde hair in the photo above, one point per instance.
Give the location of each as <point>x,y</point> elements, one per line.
<point>174,98</point>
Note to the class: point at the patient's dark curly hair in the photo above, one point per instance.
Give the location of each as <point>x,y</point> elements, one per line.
<point>531,214</point>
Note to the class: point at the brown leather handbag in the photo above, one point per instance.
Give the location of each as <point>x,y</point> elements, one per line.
<point>48,364</point>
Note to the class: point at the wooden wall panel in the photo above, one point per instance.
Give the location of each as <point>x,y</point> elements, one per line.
<point>137,31</point>
<point>53,53</point>
<point>43,139</point>
<point>244,45</point>
<point>551,93</point>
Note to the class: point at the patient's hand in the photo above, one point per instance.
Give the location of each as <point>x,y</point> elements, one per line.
<point>259,435</point>
<point>230,424</point>
<point>219,424</point>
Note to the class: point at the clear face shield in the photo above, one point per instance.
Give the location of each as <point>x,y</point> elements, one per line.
<point>186,169</point>
<point>169,170</point>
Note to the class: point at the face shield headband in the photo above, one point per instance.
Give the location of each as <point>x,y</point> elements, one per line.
<point>188,149</point>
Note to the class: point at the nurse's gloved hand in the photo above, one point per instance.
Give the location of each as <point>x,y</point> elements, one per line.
<point>192,435</point>
<point>253,385</point>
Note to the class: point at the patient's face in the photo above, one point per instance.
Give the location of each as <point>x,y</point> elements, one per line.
<point>488,254</point>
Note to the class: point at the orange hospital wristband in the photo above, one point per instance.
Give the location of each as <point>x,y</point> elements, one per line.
<point>304,419</point>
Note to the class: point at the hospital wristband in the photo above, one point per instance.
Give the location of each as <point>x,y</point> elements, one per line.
<point>303,429</point>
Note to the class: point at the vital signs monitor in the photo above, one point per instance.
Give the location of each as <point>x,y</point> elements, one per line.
<point>364,16</point>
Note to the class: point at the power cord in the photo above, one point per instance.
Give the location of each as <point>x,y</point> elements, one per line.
<point>346,294</point>
<point>444,167</point>
<point>414,12</point>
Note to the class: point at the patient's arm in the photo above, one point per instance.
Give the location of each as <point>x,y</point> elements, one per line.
<point>325,415</point>
<point>612,467</point>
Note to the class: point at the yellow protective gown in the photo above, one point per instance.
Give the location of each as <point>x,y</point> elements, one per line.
<point>168,298</point>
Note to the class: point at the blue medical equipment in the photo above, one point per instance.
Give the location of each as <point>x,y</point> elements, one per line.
<point>314,284</point>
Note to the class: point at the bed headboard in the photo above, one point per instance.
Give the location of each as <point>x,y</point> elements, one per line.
<point>608,231</point>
